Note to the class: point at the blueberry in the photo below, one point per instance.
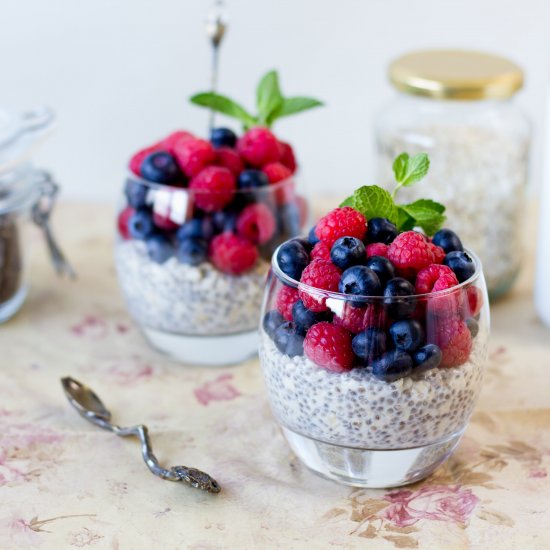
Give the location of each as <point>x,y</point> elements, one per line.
<point>136,193</point>
<point>252,179</point>
<point>304,318</point>
<point>289,220</point>
<point>369,344</point>
<point>426,358</point>
<point>461,263</point>
<point>360,281</point>
<point>448,240</point>
<point>382,267</point>
<point>292,258</point>
<point>222,137</point>
<point>311,237</point>
<point>224,221</point>
<point>192,251</point>
<point>272,321</point>
<point>347,252</point>
<point>160,167</point>
<point>407,335</point>
<point>288,340</point>
<point>473,326</point>
<point>197,228</point>
<point>396,301</point>
<point>140,225</point>
<point>392,365</point>
<point>305,243</point>
<point>381,230</point>
<point>159,248</point>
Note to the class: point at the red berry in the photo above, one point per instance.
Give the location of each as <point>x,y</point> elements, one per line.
<point>377,249</point>
<point>410,252</point>
<point>321,250</point>
<point>341,222</point>
<point>287,156</point>
<point>228,158</point>
<point>232,254</point>
<point>137,158</point>
<point>356,319</point>
<point>453,337</point>
<point>286,298</point>
<point>439,254</point>
<point>322,275</point>
<point>279,174</point>
<point>435,277</point>
<point>193,155</point>
<point>176,138</point>
<point>329,346</point>
<point>258,147</point>
<point>475,300</point>
<point>276,172</point>
<point>164,222</point>
<point>256,223</point>
<point>213,188</point>
<point>122,222</point>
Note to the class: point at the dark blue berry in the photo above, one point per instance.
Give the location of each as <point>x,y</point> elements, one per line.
<point>426,358</point>
<point>382,267</point>
<point>393,365</point>
<point>292,259</point>
<point>159,248</point>
<point>448,240</point>
<point>304,242</point>
<point>140,225</point>
<point>192,251</point>
<point>369,344</point>
<point>473,326</point>
<point>397,301</point>
<point>381,230</point>
<point>252,179</point>
<point>272,321</point>
<point>407,335</point>
<point>222,137</point>
<point>359,281</point>
<point>288,340</point>
<point>347,252</point>
<point>197,228</point>
<point>304,318</point>
<point>136,193</point>
<point>461,263</point>
<point>160,167</point>
<point>311,237</point>
<point>224,221</point>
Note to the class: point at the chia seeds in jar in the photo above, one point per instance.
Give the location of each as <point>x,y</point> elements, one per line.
<point>457,106</point>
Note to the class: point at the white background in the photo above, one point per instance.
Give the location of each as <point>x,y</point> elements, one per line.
<point>118,72</point>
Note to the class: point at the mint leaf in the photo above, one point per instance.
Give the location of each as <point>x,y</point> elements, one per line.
<point>427,214</point>
<point>223,104</point>
<point>347,202</point>
<point>404,221</point>
<point>374,202</point>
<point>409,170</point>
<point>268,96</point>
<point>293,105</point>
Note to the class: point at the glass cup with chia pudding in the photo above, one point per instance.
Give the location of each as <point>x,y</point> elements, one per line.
<point>373,344</point>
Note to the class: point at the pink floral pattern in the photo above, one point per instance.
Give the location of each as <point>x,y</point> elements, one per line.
<point>219,389</point>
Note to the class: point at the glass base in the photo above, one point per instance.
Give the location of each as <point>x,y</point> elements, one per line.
<point>12,306</point>
<point>371,468</point>
<point>212,351</point>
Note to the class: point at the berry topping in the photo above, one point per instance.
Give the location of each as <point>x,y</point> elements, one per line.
<point>304,318</point>
<point>381,230</point>
<point>461,263</point>
<point>256,223</point>
<point>448,240</point>
<point>222,137</point>
<point>382,267</point>
<point>159,248</point>
<point>322,275</point>
<point>174,138</point>
<point>199,228</point>
<point>213,188</point>
<point>160,167</point>
<point>454,338</point>
<point>397,298</point>
<point>341,222</point>
<point>356,319</point>
<point>377,249</point>
<point>136,193</point>
<point>369,345</point>
<point>426,358</point>
<point>329,346</point>
<point>232,254</point>
<point>258,147</point>
<point>163,221</point>
<point>473,326</point>
<point>393,365</point>
<point>435,277</point>
<point>410,252</point>
<point>271,322</point>
<point>321,250</point>
<point>407,335</point>
<point>140,224</point>
<point>288,340</point>
<point>286,298</point>
<point>193,155</point>
<point>276,172</point>
<point>360,280</point>
<point>475,301</point>
<point>312,237</point>
<point>292,258</point>
<point>347,252</point>
<point>192,250</point>
<point>137,158</point>
<point>287,156</point>
<point>252,179</point>
<point>439,254</point>
<point>122,222</point>
<point>224,221</point>
<point>228,158</point>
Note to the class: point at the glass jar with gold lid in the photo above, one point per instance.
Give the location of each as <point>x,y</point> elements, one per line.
<point>458,107</point>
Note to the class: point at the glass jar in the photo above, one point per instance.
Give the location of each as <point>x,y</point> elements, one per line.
<point>363,426</point>
<point>458,107</point>
<point>196,305</point>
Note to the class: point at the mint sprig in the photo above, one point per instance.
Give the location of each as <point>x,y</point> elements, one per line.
<point>270,103</point>
<point>374,202</point>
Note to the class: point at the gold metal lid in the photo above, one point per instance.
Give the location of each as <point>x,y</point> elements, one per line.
<point>456,74</point>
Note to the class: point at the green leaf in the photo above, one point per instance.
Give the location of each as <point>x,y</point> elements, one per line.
<point>223,104</point>
<point>427,214</point>
<point>374,202</point>
<point>409,170</point>
<point>293,105</point>
<point>268,96</point>
<point>347,202</point>
<point>404,221</point>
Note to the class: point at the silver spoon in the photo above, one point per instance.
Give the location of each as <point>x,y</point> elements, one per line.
<point>90,407</point>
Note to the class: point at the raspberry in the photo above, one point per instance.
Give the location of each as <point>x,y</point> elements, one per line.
<point>277,173</point>
<point>439,254</point>
<point>256,223</point>
<point>377,249</point>
<point>175,138</point>
<point>213,188</point>
<point>435,277</point>
<point>453,337</point>
<point>287,156</point>
<point>193,155</point>
<point>329,346</point>
<point>320,251</point>
<point>475,300</point>
<point>258,147</point>
<point>137,158</point>
<point>322,275</point>
<point>164,222</point>
<point>286,298</point>
<point>122,222</point>
<point>341,222</point>
<point>232,254</point>
<point>410,252</point>
<point>356,319</point>
<point>228,158</point>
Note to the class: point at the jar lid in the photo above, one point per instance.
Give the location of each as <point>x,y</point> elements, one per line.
<point>456,74</point>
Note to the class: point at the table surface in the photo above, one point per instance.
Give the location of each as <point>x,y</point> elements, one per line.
<point>65,483</point>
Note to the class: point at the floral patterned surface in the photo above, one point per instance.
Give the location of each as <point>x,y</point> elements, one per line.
<point>66,484</point>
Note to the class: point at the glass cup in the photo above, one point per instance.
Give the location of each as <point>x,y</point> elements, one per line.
<point>366,426</point>
<point>192,303</point>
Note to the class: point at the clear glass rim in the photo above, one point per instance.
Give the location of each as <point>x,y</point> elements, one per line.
<point>289,281</point>
<point>21,186</point>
